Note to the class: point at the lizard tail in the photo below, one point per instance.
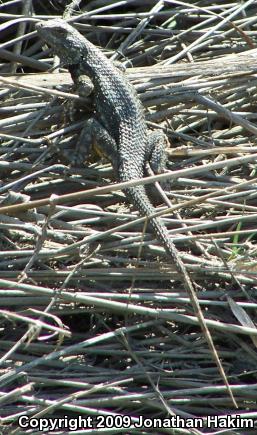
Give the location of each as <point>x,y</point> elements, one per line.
<point>139,198</point>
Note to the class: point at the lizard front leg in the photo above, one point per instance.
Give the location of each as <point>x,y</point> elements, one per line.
<point>83,87</point>
<point>93,135</point>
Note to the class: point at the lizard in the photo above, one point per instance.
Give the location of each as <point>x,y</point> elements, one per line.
<point>118,126</point>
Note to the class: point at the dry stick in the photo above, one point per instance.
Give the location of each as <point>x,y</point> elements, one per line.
<point>177,37</point>
<point>68,349</point>
<point>78,394</point>
<point>169,205</point>
<point>122,3</point>
<point>168,409</point>
<point>193,298</point>
<point>120,307</point>
<point>24,60</point>
<point>191,202</point>
<point>70,8</point>
<point>220,17</point>
<point>26,6</point>
<point>36,322</point>
<point>198,311</point>
<point>202,152</point>
<point>137,31</point>
<point>62,199</point>
<point>232,117</point>
<point>239,64</point>
<point>188,203</point>
<point>27,86</point>
<point>194,44</point>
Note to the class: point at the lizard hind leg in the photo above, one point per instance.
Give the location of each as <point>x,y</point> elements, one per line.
<point>156,157</point>
<point>94,135</point>
<point>156,154</point>
<point>83,146</point>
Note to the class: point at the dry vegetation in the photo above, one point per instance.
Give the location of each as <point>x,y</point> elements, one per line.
<point>94,318</point>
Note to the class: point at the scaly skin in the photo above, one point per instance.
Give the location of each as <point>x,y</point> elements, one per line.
<point>119,128</point>
<point>118,115</point>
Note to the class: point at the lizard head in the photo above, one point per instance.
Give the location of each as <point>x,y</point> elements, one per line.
<point>63,39</point>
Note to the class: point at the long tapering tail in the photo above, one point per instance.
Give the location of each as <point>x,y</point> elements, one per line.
<point>139,198</point>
